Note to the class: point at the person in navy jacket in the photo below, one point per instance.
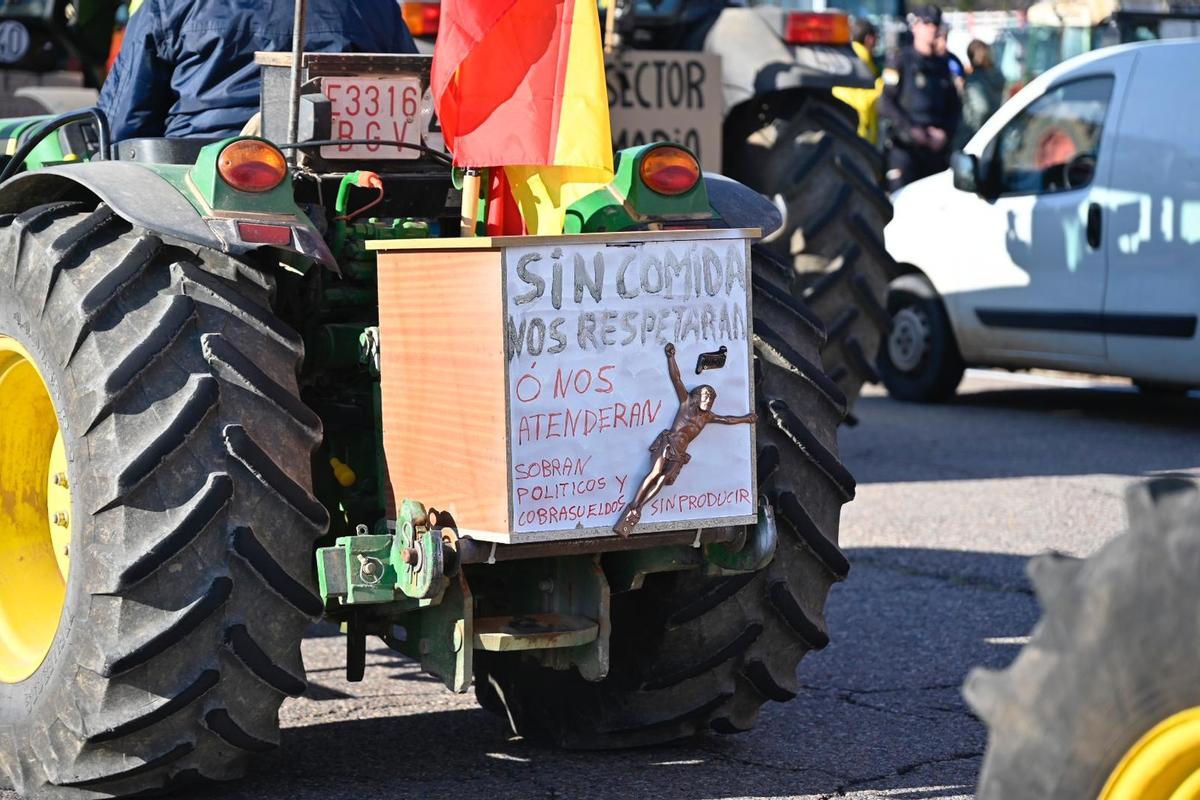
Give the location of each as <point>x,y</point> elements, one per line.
<point>186,67</point>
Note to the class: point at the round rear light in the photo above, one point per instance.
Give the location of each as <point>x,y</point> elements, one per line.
<point>670,170</point>
<point>250,165</point>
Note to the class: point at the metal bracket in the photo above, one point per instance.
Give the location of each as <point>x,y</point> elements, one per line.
<point>571,590</point>
<point>369,349</point>
<point>755,550</point>
<point>441,636</point>
<point>417,553</point>
<point>711,360</point>
<point>370,577</point>
<point>412,563</point>
<point>356,650</point>
<point>627,571</point>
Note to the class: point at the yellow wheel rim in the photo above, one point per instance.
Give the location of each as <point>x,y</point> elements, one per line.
<point>1163,765</point>
<point>35,515</point>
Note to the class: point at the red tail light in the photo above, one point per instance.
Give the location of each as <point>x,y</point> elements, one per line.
<point>816,27</point>
<point>670,170</point>
<point>422,17</point>
<point>258,233</point>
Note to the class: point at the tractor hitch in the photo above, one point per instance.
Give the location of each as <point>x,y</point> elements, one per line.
<point>413,562</point>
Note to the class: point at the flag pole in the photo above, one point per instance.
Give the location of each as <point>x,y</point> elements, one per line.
<point>299,19</point>
<point>470,200</point>
<point>610,27</point>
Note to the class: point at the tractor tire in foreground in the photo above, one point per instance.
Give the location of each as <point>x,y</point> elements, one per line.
<point>1104,701</point>
<point>691,653</point>
<point>807,155</point>
<point>161,521</point>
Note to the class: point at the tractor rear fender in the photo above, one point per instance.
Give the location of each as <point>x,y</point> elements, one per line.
<point>740,206</point>
<point>756,60</point>
<point>146,199</point>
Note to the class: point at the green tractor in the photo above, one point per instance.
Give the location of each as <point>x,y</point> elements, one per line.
<point>205,366</point>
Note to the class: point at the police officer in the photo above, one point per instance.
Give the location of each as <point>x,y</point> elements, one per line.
<point>921,103</point>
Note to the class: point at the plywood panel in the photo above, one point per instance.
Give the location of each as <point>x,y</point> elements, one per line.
<point>617,237</point>
<point>444,418</point>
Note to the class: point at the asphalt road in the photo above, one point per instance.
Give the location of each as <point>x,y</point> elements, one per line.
<point>951,501</point>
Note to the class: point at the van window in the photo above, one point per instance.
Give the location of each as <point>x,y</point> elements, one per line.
<point>1051,145</point>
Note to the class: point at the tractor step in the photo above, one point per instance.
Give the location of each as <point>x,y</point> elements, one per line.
<point>542,631</point>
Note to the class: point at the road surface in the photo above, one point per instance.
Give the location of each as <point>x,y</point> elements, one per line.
<point>951,501</point>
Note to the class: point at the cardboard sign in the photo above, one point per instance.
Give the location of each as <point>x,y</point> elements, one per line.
<point>667,96</point>
<point>589,390</point>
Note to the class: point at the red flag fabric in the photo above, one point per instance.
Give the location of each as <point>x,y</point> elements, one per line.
<point>503,214</point>
<point>520,84</point>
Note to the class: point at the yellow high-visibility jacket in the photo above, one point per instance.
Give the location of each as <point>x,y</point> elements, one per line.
<point>864,100</point>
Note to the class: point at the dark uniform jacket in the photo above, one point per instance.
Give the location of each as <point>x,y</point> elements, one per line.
<point>918,91</point>
<point>186,67</point>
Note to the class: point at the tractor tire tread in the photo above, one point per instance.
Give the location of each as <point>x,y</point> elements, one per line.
<point>206,680</point>
<point>186,627</point>
<point>803,149</point>
<point>259,662</point>
<point>223,725</point>
<point>296,594</point>
<point>202,397</point>
<point>173,630</point>
<point>200,512</point>
<point>1112,656</point>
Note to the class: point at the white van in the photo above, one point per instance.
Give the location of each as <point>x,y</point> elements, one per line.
<point>1066,235</point>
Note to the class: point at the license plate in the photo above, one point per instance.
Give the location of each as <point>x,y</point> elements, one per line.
<point>380,109</point>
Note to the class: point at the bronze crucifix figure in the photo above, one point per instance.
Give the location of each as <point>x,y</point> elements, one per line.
<point>669,453</point>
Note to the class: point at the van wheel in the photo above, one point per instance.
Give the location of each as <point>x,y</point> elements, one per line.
<point>803,150</point>
<point>1103,701</point>
<point>919,361</point>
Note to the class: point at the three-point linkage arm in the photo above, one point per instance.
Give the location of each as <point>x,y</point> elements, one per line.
<point>673,369</point>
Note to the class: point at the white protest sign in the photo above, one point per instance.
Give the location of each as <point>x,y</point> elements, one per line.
<point>589,388</point>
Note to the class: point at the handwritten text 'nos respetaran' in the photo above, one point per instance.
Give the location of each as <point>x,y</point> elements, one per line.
<point>620,296</point>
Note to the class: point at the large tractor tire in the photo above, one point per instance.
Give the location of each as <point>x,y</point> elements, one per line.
<point>691,653</point>
<point>155,525</point>
<point>804,151</point>
<point>1104,701</point>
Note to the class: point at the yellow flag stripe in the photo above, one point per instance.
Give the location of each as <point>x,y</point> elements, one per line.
<point>583,146</point>
<point>584,135</point>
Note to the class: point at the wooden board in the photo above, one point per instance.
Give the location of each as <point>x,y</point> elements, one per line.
<point>489,242</point>
<point>461,435</point>
<point>442,328</point>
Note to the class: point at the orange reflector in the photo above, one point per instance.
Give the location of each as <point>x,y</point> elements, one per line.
<point>422,17</point>
<point>249,165</point>
<point>259,233</point>
<point>670,170</point>
<point>814,27</point>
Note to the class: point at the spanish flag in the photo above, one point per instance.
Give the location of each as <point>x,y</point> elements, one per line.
<point>519,84</point>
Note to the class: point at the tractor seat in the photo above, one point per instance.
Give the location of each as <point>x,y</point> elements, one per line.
<point>161,149</point>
